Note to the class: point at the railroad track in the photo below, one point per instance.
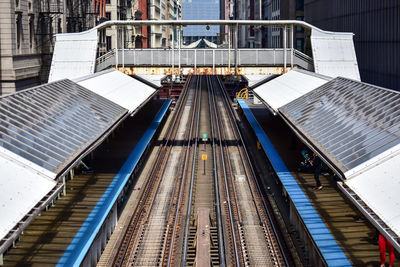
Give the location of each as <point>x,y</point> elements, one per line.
<point>254,241</point>
<point>145,239</point>
<point>201,205</point>
<point>203,196</point>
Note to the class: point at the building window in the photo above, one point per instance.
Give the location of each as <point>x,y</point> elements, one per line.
<point>18,26</point>
<point>59,27</point>
<point>31,30</point>
<point>108,1</point>
<point>108,15</point>
<point>108,43</point>
<point>300,44</point>
<point>16,3</point>
<point>299,4</point>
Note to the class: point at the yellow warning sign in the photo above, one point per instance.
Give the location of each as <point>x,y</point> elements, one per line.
<point>204,156</point>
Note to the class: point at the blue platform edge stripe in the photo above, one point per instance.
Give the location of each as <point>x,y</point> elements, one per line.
<point>80,245</point>
<point>330,250</point>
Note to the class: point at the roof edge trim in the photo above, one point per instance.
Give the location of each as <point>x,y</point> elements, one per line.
<point>90,76</point>
<point>9,155</point>
<point>350,194</point>
<point>372,163</point>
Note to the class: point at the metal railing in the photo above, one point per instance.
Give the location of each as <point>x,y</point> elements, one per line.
<point>204,58</point>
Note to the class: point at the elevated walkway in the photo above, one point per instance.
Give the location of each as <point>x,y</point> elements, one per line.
<point>202,61</point>
<point>333,53</point>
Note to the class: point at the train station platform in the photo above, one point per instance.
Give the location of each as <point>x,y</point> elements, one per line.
<point>76,218</point>
<point>354,235</point>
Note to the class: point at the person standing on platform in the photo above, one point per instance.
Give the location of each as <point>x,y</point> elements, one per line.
<point>313,164</point>
<point>383,243</point>
<point>317,165</point>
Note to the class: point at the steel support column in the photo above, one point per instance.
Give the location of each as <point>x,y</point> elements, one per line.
<point>195,61</point>
<point>229,48</point>
<point>179,48</point>
<point>173,52</point>
<point>284,48</point>
<point>123,48</point>
<point>236,48</point>
<point>291,45</point>
<point>116,47</point>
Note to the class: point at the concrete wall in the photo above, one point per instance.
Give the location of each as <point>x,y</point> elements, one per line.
<point>19,66</point>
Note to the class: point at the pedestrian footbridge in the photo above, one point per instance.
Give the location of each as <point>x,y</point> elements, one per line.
<point>204,61</point>
<point>77,54</point>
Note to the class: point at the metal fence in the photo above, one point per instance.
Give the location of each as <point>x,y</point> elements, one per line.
<point>204,58</point>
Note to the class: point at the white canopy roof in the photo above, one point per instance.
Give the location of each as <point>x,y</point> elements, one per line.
<point>378,186</point>
<point>210,44</point>
<point>21,188</point>
<point>192,45</point>
<point>119,88</point>
<point>284,89</point>
<point>74,55</point>
<point>255,79</point>
<point>334,54</point>
<point>45,131</point>
<point>356,128</point>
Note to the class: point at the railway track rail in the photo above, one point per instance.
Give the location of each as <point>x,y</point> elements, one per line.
<point>202,204</point>
<point>256,237</point>
<point>146,235</point>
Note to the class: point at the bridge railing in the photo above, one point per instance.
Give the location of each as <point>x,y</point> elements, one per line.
<point>203,58</point>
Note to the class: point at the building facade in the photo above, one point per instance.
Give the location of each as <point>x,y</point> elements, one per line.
<point>249,36</point>
<point>27,29</point>
<point>140,12</point>
<point>201,10</point>
<point>126,36</point>
<point>161,36</point>
<point>375,25</point>
<point>284,10</point>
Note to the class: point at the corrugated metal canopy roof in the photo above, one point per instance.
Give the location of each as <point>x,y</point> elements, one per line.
<point>348,121</point>
<point>287,87</point>
<point>118,88</point>
<point>356,128</point>
<point>52,124</point>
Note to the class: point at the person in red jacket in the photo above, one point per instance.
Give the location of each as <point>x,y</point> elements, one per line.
<point>383,243</point>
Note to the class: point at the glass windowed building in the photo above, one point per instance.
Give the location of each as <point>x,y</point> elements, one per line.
<point>200,10</point>
<point>375,24</point>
